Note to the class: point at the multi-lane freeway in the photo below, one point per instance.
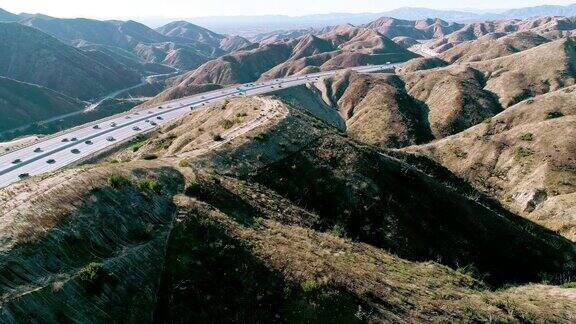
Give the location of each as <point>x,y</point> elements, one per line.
<point>73,145</point>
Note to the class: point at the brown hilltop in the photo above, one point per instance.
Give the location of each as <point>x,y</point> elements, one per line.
<point>454,97</point>
<point>532,72</point>
<point>492,46</point>
<point>376,109</point>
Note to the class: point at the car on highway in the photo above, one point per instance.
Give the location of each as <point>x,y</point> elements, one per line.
<point>16,161</point>
<point>110,139</point>
<point>149,112</point>
<point>89,142</point>
<point>96,127</point>
<point>160,107</point>
<point>153,123</point>
<point>127,117</point>
<point>159,118</point>
<point>37,150</point>
<point>113,125</point>
<point>65,140</point>
<point>23,175</point>
<point>75,151</point>
<point>136,113</point>
<point>51,161</point>
<point>136,128</point>
<point>73,139</point>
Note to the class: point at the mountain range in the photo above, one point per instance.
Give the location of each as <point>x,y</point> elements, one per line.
<point>441,190</point>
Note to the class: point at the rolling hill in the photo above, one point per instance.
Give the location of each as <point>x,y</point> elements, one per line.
<point>23,103</point>
<point>43,60</point>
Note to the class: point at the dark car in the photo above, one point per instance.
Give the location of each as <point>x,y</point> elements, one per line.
<point>88,142</point>
<point>113,125</point>
<point>153,123</point>
<point>159,118</point>
<point>75,151</point>
<point>110,139</point>
<point>37,150</point>
<point>23,175</point>
<point>136,128</point>
<point>73,139</point>
<point>96,127</point>
<point>65,140</point>
<point>51,161</point>
<point>16,161</point>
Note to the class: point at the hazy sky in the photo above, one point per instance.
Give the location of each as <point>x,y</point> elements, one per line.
<point>195,8</point>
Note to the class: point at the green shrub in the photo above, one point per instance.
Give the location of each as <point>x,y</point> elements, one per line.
<point>136,146</point>
<point>310,286</point>
<point>569,285</point>
<point>261,137</point>
<point>91,272</point>
<point>554,114</point>
<point>522,152</point>
<point>117,181</point>
<point>217,137</point>
<point>184,163</point>
<point>227,124</point>
<point>149,156</point>
<point>527,137</point>
<point>338,230</point>
<point>149,185</point>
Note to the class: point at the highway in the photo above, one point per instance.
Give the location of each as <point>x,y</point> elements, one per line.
<point>73,145</point>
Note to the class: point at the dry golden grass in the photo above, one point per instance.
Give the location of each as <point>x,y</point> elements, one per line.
<point>394,289</point>
<point>532,175</point>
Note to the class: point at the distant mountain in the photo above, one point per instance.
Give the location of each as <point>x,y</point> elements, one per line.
<point>194,33</point>
<point>29,55</point>
<point>250,26</point>
<point>123,34</point>
<point>6,16</point>
<point>23,103</point>
<point>548,10</point>
<point>179,44</point>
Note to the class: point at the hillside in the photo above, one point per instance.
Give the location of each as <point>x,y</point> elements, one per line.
<point>24,103</point>
<point>529,73</point>
<point>417,29</point>
<point>493,46</point>
<point>29,55</point>
<point>240,67</point>
<point>197,34</point>
<point>524,157</point>
<point>376,109</point>
<point>125,35</point>
<point>6,16</point>
<point>454,98</point>
<point>186,45</point>
<point>284,219</point>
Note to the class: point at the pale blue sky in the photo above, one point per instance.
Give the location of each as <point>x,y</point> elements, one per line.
<point>196,8</point>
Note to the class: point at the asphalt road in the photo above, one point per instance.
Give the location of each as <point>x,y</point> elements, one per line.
<point>68,147</point>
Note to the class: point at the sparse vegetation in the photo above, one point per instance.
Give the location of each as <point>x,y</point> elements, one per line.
<point>149,185</point>
<point>554,114</point>
<point>184,163</point>
<point>522,152</point>
<point>91,272</point>
<point>149,156</point>
<point>527,137</point>
<point>217,137</point>
<point>227,123</point>
<point>117,181</point>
